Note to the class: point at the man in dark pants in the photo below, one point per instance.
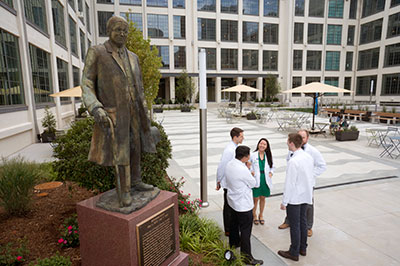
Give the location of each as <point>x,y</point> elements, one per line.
<point>239,182</point>
<point>228,154</point>
<point>297,194</point>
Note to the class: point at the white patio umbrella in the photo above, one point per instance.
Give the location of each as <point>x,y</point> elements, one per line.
<point>73,92</point>
<point>239,89</point>
<point>315,90</point>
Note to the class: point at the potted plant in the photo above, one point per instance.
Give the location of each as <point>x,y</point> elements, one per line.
<point>82,111</point>
<point>159,107</point>
<point>345,134</point>
<point>252,115</point>
<point>184,91</point>
<point>49,125</point>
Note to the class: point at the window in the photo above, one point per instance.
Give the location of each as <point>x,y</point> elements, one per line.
<point>160,3</point>
<point>157,26</point>
<point>72,4</point>
<point>393,26</point>
<point>73,36</point>
<point>313,60</point>
<point>371,7</point>
<point>392,55</point>
<point>391,84</point>
<point>179,27</point>
<point>211,58</point>
<point>333,81</point>
<point>103,1</point>
<point>298,60</point>
<point>250,32</point>
<point>394,3</point>
<point>315,33</point>
<point>271,33</point>
<point>353,9</point>
<point>11,85</point>
<point>136,18</point>
<point>312,79</point>
<point>332,61</point>
<point>163,52</point>
<point>35,12</point>
<point>206,29</point>
<point>229,6</point>
<point>76,76</point>
<point>316,8</point>
<point>271,8</point>
<point>298,32</point>
<point>229,59</point>
<point>179,4</point>
<point>251,7</point>
<point>350,35</point>
<point>334,35</point>
<point>87,17</point>
<point>347,85</point>
<point>299,8</point>
<point>206,5</point>
<point>41,74</point>
<point>103,17</point>
<point>131,2</point>
<point>58,22</point>
<point>270,60</point>
<point>296,82</point>
<point>250,59</point>
<point>229,30</point>
<point>10,4</point>
<point>83,46</point>
<point>180,56</point>
<point>368,59</point>
<point>364,85</point>
<point>371,31</point>
<point>335,9</point>
<point>349,61</point>
<point>62,71</point>
<point>80,5</point>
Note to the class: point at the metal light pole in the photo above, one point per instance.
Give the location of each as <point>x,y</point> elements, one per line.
<point>203,127</point>
<point>370,91</point>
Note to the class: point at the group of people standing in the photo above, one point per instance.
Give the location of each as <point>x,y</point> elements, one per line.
<point>246,178</point>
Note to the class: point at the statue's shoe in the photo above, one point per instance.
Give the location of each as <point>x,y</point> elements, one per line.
<point>140,186</point>
<point>126,199</point>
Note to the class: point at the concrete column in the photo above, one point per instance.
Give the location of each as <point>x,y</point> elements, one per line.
<point>196,88</point>
<point>172,88</point>
<point>259,86</point>
<point>218,89</point>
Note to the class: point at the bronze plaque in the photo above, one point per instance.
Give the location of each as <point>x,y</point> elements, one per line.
<point>156,237</point>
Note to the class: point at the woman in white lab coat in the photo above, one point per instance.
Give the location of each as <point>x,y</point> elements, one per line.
<point>263,169</point>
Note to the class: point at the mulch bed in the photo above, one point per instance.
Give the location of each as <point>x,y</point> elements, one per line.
<point>41,226</point>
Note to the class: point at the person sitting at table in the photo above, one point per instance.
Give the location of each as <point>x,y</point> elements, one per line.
<point>334,120</point>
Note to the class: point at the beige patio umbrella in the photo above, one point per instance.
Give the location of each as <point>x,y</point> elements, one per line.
<point>73,92</point>
<point>239,89</point>
<point>315,90</point>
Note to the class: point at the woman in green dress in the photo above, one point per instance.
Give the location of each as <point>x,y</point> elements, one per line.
<point>262,169</point>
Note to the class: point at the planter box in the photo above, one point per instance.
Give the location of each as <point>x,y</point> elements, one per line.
<point>48,137</point>
<point>346,135</point>
<point>251,117</point>
<point>158,110</point>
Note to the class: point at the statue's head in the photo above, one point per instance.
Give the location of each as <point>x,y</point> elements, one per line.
<point>117,30</point>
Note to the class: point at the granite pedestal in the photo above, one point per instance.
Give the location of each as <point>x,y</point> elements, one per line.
<point>149,236</point>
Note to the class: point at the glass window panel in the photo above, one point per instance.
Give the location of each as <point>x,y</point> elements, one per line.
<point>103,1</point>
<point>157,26</point>
<point>160,3</point>
<point>349,61</point>
<point>299,8</point>
<point>371,31</point>
<point>163,52</point>
<point>313,60</point>
<point>271,8</point>
<point>58,22</point>
<point>229,30</point>
<point>35,12</point>
<point>363,86</point>
<point>271,33</point>
<point>179,27</point>
<point>179,4</point>
<point>270,60</point>
<point>131,2</point>
<point>316,8</point>
<point>350,35</point>
<point>103,17</point>
<point>392,55</point>
<point>393,25</point>
<point>211,58</point>
<point>334,35</point>
<point>250,60</point>
<point>335,9</point>
<point>180,56</point>
<point>206,29</point>
<point>394,3</point>
<point>298,32</point>
<point>41,74</point>
<point>312,79</point>
<point>297,60</point>
<point>136,18</point>
<point>206,5</point>
<point>250,32</point>
<point>371,7</point>
<point>72,4</point>
<point>87,17</point>
<point>10,4</point>
<point>229,6</point>
<point>368,59</point>
<point>76,76</point>
<point>296,82</point>
<point>62,73</point>
<point>251,7</point>
<point>229,59</point>
<point>332,61</point>
<point>347,84</point>
<point>333,81</point>
<point>80,5</point>
<point>73,36</point>
<point>353,9</point>
<point>315,33</point>
<point>83,46</point>
<point>391,84</point>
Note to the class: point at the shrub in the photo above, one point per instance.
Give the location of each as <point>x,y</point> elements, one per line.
<point>17,179</point>
<point>69,233</point>
<point>184,203</point>
<point>56,260</point>
<point>11,254</point>
<point>49,121</point>
<point>72,151</point>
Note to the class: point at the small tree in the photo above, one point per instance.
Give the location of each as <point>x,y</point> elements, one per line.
<point>49,121</point>
<point>184,88</point>
<point>149,60</point>
<point>271,87</point>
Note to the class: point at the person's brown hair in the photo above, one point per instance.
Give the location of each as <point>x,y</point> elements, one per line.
<point>296,139</point>
<point>235,132</point>
<point>304,130</point>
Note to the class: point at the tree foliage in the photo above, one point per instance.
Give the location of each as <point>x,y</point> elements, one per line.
<point>149,60</point>
<point>271,87</point>
<point>184,88</point>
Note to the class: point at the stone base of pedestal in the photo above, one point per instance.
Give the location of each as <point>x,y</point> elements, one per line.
<point>149,236</point>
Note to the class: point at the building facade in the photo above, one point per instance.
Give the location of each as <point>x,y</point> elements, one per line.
<point>353,44</point>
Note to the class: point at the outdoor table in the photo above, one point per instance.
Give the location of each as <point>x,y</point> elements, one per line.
<point>372,136</point>
<point>396,145</point>
<point>382,133</point>
<point>320,129</point>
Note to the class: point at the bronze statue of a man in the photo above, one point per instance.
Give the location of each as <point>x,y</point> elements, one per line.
<point>113,93</point>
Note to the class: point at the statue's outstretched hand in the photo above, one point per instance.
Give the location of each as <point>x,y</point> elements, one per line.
<point>101,117</point>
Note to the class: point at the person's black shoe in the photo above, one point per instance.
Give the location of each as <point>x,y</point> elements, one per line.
<point>303,253</point>
<point>254,261</point>
<point>287,255</point>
